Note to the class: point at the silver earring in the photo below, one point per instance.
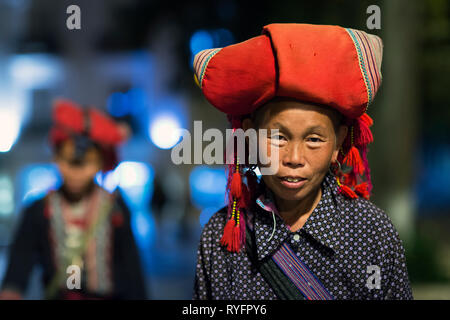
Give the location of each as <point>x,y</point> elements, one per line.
<point>338,167</point>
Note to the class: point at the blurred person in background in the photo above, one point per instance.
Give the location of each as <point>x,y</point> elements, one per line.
<point>80,224</point>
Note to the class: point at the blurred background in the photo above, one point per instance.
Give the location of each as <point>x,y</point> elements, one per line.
<point>133,60</point>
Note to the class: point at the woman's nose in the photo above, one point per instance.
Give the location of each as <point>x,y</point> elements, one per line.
<point>293,155</point>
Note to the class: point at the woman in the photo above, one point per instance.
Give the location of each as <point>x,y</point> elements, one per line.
<point>308,231</point>
<point>80,227</point>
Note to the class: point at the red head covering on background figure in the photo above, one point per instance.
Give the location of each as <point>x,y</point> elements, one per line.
<point>320,64</point>
<point>71,121</point>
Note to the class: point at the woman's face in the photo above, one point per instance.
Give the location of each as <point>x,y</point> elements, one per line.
<point>77,176</point>
<point>307,144</point>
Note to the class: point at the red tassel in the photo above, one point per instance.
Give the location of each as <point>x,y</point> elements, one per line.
<point>362,190</point>
<point>366,119</point>
<point>346,191</point>
<point>353,159</point>
<point>236,239</point>
<point>349,179</point>
<point>227,236</point>
<point>236,185</point>
<point>363,135</point>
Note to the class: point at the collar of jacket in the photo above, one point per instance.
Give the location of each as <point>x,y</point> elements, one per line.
<point>323,225</point>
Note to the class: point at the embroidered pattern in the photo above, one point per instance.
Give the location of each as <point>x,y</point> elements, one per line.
<point>369,49</point>
<point>300,275</point>
<point>97,257</point>
<point>201,60</point>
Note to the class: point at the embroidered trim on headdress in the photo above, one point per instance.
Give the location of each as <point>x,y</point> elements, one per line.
<point>201,61</point>
<point>368,49</point>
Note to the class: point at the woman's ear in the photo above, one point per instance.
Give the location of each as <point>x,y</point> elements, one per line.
<point>342,134</point>
<point>340,137</point>
<point>247,123</point>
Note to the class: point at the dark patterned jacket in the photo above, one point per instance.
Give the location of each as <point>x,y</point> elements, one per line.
<point>343,242</point>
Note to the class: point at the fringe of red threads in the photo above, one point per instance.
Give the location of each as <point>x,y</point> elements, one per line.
<point>353,159</point>
<point>362,190</point>
<point>233,237</point>
<point>367,169</point>
<point>356,158</point>
<point>347,191</point>
<point>363,135</point>
<point>226,239</point>
<point>236,185</point>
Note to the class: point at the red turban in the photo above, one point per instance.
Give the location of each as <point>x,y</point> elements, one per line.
<point>327,65</point>
<point>71,120</point>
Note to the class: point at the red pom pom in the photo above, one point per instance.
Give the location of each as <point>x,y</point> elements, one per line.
<point>346,191</point>
<point>363,190</point>
<point>366,119</point>
<point>353,159</point>
<point>349,179</point>
<point>104,130</point>
<point>236,185</point>
<point>68,115</point>
<point>227,235</point>
<point>236,240</point>
<point>363,135</point>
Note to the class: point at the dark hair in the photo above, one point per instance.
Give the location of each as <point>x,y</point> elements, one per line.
<point>259,114</point>
<point>82,145</point>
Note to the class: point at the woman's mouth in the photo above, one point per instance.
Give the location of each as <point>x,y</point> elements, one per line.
<point>292,182</point>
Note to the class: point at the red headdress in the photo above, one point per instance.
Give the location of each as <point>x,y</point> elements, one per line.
<point>71,120</point>
<point>326,65</point>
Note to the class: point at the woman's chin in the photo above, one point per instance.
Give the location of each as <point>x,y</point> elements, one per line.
<point>76,191</point>
<point>293,198</point>
<point>290,194</point>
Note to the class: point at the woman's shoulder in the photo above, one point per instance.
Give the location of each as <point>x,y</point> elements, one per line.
<point>213,229</point>
<point>362,205</point>
<point>36,207</point>
<point>217,220</point>
<point>364,213</point>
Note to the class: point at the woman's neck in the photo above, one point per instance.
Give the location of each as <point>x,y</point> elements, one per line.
<point>77,197</point>
<point>295,213</point>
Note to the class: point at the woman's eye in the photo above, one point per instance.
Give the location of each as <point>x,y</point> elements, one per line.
<point>314,139</point>
<point>277,137</point>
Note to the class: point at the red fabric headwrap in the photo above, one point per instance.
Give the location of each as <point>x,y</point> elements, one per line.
<point>69,119</point>
<point>328,65</point>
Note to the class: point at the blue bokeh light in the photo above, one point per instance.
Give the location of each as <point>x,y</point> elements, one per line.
<point>10,126</point>
<point>432,185</point>
<point>118,104</point>
<point>201,40</point>
<point>36,180</point>
<point>207,39</point>
<point>164,130</point>
<point>207,186</point>
<point>133,102</point>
